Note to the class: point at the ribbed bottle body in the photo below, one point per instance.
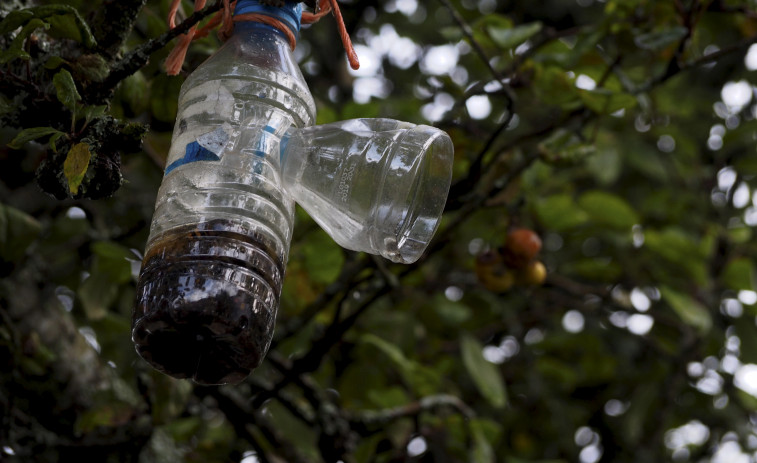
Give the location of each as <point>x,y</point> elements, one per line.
<point>211,278</point>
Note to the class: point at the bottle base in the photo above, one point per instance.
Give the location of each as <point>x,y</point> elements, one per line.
<point>202,314</point>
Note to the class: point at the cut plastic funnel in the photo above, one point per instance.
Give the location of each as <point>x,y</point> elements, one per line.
<point>374,185</point>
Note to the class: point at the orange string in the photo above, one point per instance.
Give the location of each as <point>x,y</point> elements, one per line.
<point>271,21</point>
<point>176,57</point>
<point>224,17</point>
<point>324,8</point>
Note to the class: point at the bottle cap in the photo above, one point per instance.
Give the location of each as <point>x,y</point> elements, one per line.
<point>290,14</point>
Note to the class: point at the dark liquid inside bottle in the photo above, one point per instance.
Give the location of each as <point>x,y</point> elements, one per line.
<point>207,298</point>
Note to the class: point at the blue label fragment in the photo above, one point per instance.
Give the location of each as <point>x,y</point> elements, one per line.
<point>194,152</point>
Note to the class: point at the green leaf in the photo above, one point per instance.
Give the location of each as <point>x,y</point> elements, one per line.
<point>451,312</point>
<point>603,101</point>
<point>97,293</point>
<point>681,251</point>
<point>745,330</point>
<point>33,133</point>
<point>560,212</point>
<point>63,21</point>
<point>134,91</point>
<point>660,39</point>
<point>13,53</point>
<point>14,20</point>
<point>608,209</point>
<point>599,269</point>
<point>111,250</point>
<point>564,147</point>
<point>91,113</point>
<point>6,106</point>
<point>54,62</point>
<point>393,352</point>
<point>71,26</point>
<point>15,50</point>
<point>423,380</point>
<point>75,165</point>
<point>91,67</point>
<point>484,374</point>
<point>451,33</point>
<point>112,260</point>
<point>739,274</point>
<point>54,140</point>
<point>554,86</point>
<point>690,310</point>
<point>513,36</point>
<point>66,89</point>
<point>482,451</point>
<point>18,230</point>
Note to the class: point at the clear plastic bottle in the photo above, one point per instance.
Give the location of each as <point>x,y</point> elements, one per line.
<point>374,185</point>
<point>211,277</point>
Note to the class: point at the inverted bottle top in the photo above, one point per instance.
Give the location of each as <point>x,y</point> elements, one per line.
<point>290,14</point>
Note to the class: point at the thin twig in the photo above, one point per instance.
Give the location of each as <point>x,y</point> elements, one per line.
<point>706,59</point>
<point>474,172</point>
<point>370,418</point>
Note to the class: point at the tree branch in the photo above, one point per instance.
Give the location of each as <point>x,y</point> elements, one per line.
<point>112,24</point>
<point>139,57</point>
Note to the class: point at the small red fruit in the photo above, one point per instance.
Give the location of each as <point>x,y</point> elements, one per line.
<point>521,247</point>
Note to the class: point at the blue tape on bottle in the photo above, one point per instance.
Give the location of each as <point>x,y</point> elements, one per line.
<point>290,14</point>
<point>194,152</point>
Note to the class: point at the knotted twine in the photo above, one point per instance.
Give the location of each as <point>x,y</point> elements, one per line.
<point>226,20</point>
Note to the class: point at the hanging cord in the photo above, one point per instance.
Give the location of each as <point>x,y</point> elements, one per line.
<point>224,17</point>
<point>324,8</point>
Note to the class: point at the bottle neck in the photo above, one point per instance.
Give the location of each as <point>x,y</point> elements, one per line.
<point>249,31</point>
<point>289,14</point>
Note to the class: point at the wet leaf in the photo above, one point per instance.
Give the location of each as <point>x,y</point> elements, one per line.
<point>484,374</point>
<point>75,166</point>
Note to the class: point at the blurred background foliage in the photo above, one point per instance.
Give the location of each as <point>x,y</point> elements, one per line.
<point>622,132</point>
